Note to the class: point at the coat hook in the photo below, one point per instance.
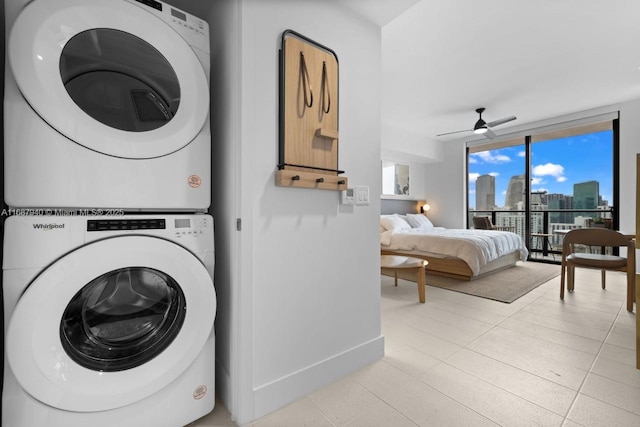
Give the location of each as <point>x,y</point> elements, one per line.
<point>295,178</point>
<point>320,180</point>
<point>341,182</point>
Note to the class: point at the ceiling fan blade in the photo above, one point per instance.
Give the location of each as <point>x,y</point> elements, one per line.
<point>458,131</point>
<point>500,121</point>
<point>489,134</point>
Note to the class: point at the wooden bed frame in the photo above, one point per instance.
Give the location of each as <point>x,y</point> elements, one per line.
<point>443,266</point>
<point>457,268</point>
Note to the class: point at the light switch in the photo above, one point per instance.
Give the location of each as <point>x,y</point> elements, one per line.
<point>362,194</point>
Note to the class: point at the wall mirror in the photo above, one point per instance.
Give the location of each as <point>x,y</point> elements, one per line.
<point>395,179</point>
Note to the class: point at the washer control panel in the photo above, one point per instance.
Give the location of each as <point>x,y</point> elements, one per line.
<point>126,224</point>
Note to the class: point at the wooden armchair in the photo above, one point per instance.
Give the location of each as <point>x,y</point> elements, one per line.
<point>484,223</point>
<point>603,238</point>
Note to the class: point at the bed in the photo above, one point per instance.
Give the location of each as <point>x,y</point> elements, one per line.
<point>459,253</point>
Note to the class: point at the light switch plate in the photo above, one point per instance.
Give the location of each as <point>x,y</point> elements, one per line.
<point>362,194</point>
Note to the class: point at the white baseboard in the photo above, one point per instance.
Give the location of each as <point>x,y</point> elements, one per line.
<point>285,390</point>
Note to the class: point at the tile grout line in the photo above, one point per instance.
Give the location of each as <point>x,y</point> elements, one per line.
<point>321,411</point>
<point>465,347</point>
<point>595,360</point>
<point>506,318</point>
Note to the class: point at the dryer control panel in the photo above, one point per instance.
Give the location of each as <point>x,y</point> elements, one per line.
<point>193,29</point>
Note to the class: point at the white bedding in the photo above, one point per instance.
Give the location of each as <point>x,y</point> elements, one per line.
<point>475,247</point>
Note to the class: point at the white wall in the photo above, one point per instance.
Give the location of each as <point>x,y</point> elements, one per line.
<point>629,147</point>
<point>398,142</point>
<point>298,288</point>
<point>445,187</point>
<point>309,267</point>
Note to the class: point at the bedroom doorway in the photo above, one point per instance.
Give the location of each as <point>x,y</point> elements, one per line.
<point>544,184</point>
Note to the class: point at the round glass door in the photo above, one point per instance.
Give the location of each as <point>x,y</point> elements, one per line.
<point>122,319</point>
<point>110,76</point>
<point>120,80</point>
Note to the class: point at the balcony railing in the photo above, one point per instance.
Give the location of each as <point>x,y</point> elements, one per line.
<point>543,231</point>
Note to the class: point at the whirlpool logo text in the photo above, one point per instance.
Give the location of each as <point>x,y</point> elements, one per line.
<point>47,227</point>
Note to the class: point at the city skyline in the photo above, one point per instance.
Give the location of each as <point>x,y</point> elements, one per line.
<point>556,165</point>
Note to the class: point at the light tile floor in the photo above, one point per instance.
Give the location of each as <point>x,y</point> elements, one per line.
<point>460,360</point>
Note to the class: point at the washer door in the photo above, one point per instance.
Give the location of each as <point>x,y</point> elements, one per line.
<point>110,76</point>
<point>111,323</point>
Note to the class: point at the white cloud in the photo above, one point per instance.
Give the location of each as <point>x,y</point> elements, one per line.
<point>472,160</point>
<point>494,173</point>
<point>537,181</point>
<point>473,177</point>
<point>488,157</point>
<point>522,154</point>
<point>550,169</point>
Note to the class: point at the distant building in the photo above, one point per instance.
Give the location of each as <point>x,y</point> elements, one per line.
<point>557,201</point>
<point>538,198</point>
<point>586,195</point>
<point>515,192</point>
<point>485,193</point>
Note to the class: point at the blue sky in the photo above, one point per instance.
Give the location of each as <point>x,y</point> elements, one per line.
<point>555,165</point>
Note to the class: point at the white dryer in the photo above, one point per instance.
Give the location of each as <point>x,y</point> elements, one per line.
<point>107,105</point>
<point>108,321</point>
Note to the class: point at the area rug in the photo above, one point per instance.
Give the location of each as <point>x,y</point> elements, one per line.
<point>504,286</point>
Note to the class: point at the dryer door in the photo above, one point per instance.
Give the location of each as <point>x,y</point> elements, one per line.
<point>110,76</point>
<point>111,323</point>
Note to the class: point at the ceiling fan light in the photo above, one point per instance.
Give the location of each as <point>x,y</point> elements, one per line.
<point>480,130</point>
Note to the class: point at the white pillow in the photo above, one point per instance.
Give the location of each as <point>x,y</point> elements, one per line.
<point>394,222</point>
<point>419,221</point>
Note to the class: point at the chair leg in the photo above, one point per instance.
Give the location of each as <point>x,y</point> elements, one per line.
<point>571,271</point>
<point>604,275</point>
<point>631,289</point>
<point>562,271</point>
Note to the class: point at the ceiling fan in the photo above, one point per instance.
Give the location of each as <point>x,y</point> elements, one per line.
<point>483,128</point>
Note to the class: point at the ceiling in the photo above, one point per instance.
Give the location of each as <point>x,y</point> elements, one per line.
<point>536,60</point>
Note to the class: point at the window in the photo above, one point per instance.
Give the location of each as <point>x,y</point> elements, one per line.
<point>497,183</point>
<point>546,182</point>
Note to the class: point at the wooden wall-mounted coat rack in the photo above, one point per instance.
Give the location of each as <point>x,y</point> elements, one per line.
<point>308,149</point>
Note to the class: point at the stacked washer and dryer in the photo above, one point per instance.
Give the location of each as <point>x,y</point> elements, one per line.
<point>109,300</point>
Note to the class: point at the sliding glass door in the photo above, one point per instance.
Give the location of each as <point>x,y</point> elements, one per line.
<point>547,183</point>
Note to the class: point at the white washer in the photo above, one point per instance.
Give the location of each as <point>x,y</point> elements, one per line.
<point>107,105</point>
<point>108,320</point>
